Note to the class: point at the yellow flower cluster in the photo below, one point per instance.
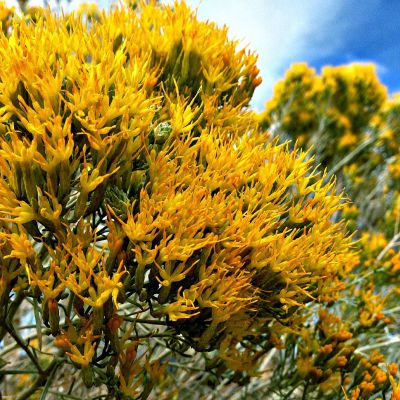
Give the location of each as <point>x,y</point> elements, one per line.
<point>133,173</point>
<point>329,111</point>
<point>344,116</point>
<point>6,14</point>
<point>388,124</point>
<point>328,359</point>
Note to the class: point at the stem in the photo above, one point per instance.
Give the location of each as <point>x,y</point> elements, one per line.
<point>18,372</point>
<point>23,345</point>
<point>185,366</point>
<point>389,342</point>
<point>305,390</point>
<point>150,336</point>
<point>50,379</point>
<point>388,247</point>
<point>11,312</point>
<point>42,379</point>
<point>349,157</point>
<point>65,396</point>
<point>69,305</point>
<point>145,321</point>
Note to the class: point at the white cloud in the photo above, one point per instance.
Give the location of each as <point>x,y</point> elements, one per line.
<point>281,32</point>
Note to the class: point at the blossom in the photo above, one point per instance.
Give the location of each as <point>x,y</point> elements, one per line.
<point>134,177</point>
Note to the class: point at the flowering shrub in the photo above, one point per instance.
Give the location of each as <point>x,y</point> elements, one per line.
<point>330,111</point>
<point>152,233</point>
<point>345,118</point>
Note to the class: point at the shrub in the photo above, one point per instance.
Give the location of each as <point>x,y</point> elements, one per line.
<point>151,232</point>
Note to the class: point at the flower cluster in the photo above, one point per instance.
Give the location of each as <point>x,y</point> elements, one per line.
<point>346,119</point>
<point>330,111</point>
<point>136,190</point>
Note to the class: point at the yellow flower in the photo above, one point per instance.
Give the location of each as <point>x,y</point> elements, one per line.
<point>183,117</point>
<point>46,282</point>
<point>103,287</point>
<point>395,388</point>
<point>182,308</point>
<point>171,274</point>
<point>89,9</point>
<point>348,139</point>
<point>92,181</point>
<point>85,356</point>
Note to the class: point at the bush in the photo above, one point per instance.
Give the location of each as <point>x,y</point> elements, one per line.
<point>152,233</point>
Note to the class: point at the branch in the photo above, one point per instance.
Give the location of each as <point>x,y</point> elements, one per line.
<point>11,312</point>
<point>24,346</point>
<point>392,243</point>
<point>389,342</point>
<point>349,157</point>
<point>44,378</point>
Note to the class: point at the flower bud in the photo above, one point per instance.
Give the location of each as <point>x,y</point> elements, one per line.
<point>87,376</point>
<point>393,369</point>
<point>98,317</point>
<point>54,316</point>
<point>162,132</point>
<point>113,325</point>
<point>143,295</point>
<point>62,342</point>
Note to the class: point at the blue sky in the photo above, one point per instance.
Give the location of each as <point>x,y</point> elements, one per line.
<point>318,32</point>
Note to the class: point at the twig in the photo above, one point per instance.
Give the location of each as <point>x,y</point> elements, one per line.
<point>11,312</point>
<point>349,157</point>
<point>49,381</point>
<point>42,379</point>
<point>23,345</point>
<point>144,321</point>
<point>392,243</point>
<point>303,397</point>
<point>389,342</point>
<point>18,372</point>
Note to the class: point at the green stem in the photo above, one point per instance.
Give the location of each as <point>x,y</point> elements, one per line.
<point>11,312</point>
<point>304,397</point>
<point>164,293</point>
<point>18,372</point>
<point>145,321</point>
<point>69,305</point>
<point>23,345</point>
